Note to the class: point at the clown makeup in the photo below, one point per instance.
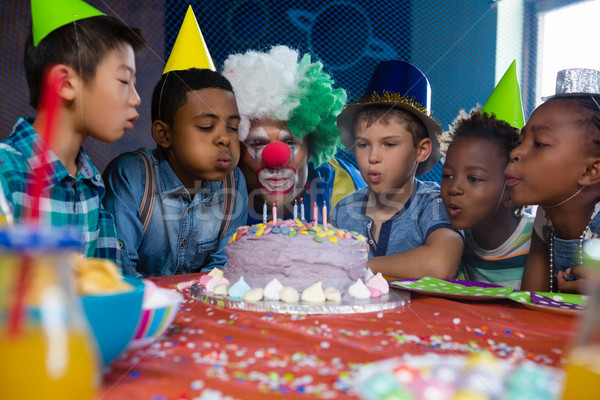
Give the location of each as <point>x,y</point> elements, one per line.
<point>277,180</point>
<point>258,138</point>
<point>274,163</point>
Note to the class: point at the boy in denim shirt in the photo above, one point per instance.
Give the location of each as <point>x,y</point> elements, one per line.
<point>86,62</point>
<point>394,139</point>
<point>194,123</point>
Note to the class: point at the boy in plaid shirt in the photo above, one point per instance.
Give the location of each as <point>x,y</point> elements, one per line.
<point>91,61</point>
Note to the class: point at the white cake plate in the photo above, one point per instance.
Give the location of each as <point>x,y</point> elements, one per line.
<point>394,299</point>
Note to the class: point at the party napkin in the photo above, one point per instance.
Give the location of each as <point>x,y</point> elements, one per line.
<point>455,287</point>
<point>546,301</point>
<point>563,301</point>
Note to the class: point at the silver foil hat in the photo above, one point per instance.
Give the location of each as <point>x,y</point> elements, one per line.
<point>577,82</point>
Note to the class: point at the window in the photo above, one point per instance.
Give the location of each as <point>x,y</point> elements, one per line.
<point>567,38</point>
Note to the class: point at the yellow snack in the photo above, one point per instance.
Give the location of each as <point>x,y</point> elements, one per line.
<point>95,275</point>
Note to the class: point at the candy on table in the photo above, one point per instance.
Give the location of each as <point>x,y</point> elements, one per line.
<point>238,289</point>
<point>204,279</point>
<point>216,281</point>
<point>253,295</point>
<point>332,294</point>
<point>289,295</point>
<point>374,292</point>
<point>358,290</point>
<point>314,293</point>
<point>378,282</point>
<point>216,272</point>
<point>272,290</point>
<point>221,289</point>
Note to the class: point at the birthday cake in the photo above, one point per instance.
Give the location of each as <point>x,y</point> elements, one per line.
<point>297,254</point>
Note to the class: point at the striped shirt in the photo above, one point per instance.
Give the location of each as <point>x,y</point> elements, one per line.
<point>65,200</point>
<point>503,265</point>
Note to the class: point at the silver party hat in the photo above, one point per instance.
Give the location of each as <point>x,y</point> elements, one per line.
<point>577,81</point>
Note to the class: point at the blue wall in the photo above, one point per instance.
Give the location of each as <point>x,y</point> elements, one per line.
<point>454,46</point>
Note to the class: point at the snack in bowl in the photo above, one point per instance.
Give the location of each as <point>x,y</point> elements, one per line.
<point>112,304</point>
<point>96,275</point>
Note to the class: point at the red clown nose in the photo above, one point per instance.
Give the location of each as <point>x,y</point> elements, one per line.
<point>276,154</point>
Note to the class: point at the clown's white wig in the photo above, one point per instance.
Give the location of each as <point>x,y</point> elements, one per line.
<point>277,85</point>
<point>264,82</point>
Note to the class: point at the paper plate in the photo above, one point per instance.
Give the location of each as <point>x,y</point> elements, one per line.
<point>558,303</point>
<point>394,299</point>
<point>453,288</point>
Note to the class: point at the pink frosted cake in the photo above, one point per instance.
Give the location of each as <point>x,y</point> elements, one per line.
<point>297,254</point>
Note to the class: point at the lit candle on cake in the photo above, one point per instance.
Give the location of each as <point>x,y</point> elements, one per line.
<point>295,209</point>
<point>324,215</point>
<point>274,214</point>
<point>302,208</point>
<point>315,213</point>
<point>265,213</point>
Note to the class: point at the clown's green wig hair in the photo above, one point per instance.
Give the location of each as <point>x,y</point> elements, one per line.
<point>276,85</point>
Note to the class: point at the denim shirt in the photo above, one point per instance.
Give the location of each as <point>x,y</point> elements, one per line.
<point>567,252</point>
<point>182,233</point>
<point>408,228</point>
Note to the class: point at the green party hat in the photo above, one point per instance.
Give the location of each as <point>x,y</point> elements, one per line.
<point>48,15</point>
<point>189,50</point>
<point>505,100</point>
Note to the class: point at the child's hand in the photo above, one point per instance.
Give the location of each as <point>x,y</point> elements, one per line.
<point>566,286</point>
<point>578,272</point>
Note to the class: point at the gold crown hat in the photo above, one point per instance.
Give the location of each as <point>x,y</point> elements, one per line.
<point>49,15</point>
<point>398,84</point>
<point>505,100</point>
<point>189,50</point>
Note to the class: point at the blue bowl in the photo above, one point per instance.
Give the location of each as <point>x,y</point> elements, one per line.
<point>114,317</point>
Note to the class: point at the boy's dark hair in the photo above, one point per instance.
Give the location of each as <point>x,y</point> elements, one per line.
<point>383,114</point>
<point>170,92</point>
<point>81,45</point>
<point>481,125</point>
<point>590,117</point>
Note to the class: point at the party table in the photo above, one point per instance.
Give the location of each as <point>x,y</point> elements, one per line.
<point>212,352</point>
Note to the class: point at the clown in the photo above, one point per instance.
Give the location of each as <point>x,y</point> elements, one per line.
<point>288,134</point>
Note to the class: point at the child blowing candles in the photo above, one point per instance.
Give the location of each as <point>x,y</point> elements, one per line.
<point>91,57</point>
<point>394,140</point>
<point>200,195</point>
<point>557,166</point>
<point>497,234</point>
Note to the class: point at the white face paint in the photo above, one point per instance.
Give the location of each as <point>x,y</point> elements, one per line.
<point>277,185</point>
<point>258,138</point>
<point>277,180</point>
<point>256,141</point>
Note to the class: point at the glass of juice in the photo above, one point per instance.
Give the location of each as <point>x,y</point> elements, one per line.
<point>583,374</point>
<point>583,360</point>
<point>46,350</point>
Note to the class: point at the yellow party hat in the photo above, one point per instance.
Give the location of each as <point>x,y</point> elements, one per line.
<point>189,50</point>
<point>505,100</point>
<point>48,15</point>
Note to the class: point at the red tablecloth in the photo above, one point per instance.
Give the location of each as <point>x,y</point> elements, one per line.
<point>252,355</point>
